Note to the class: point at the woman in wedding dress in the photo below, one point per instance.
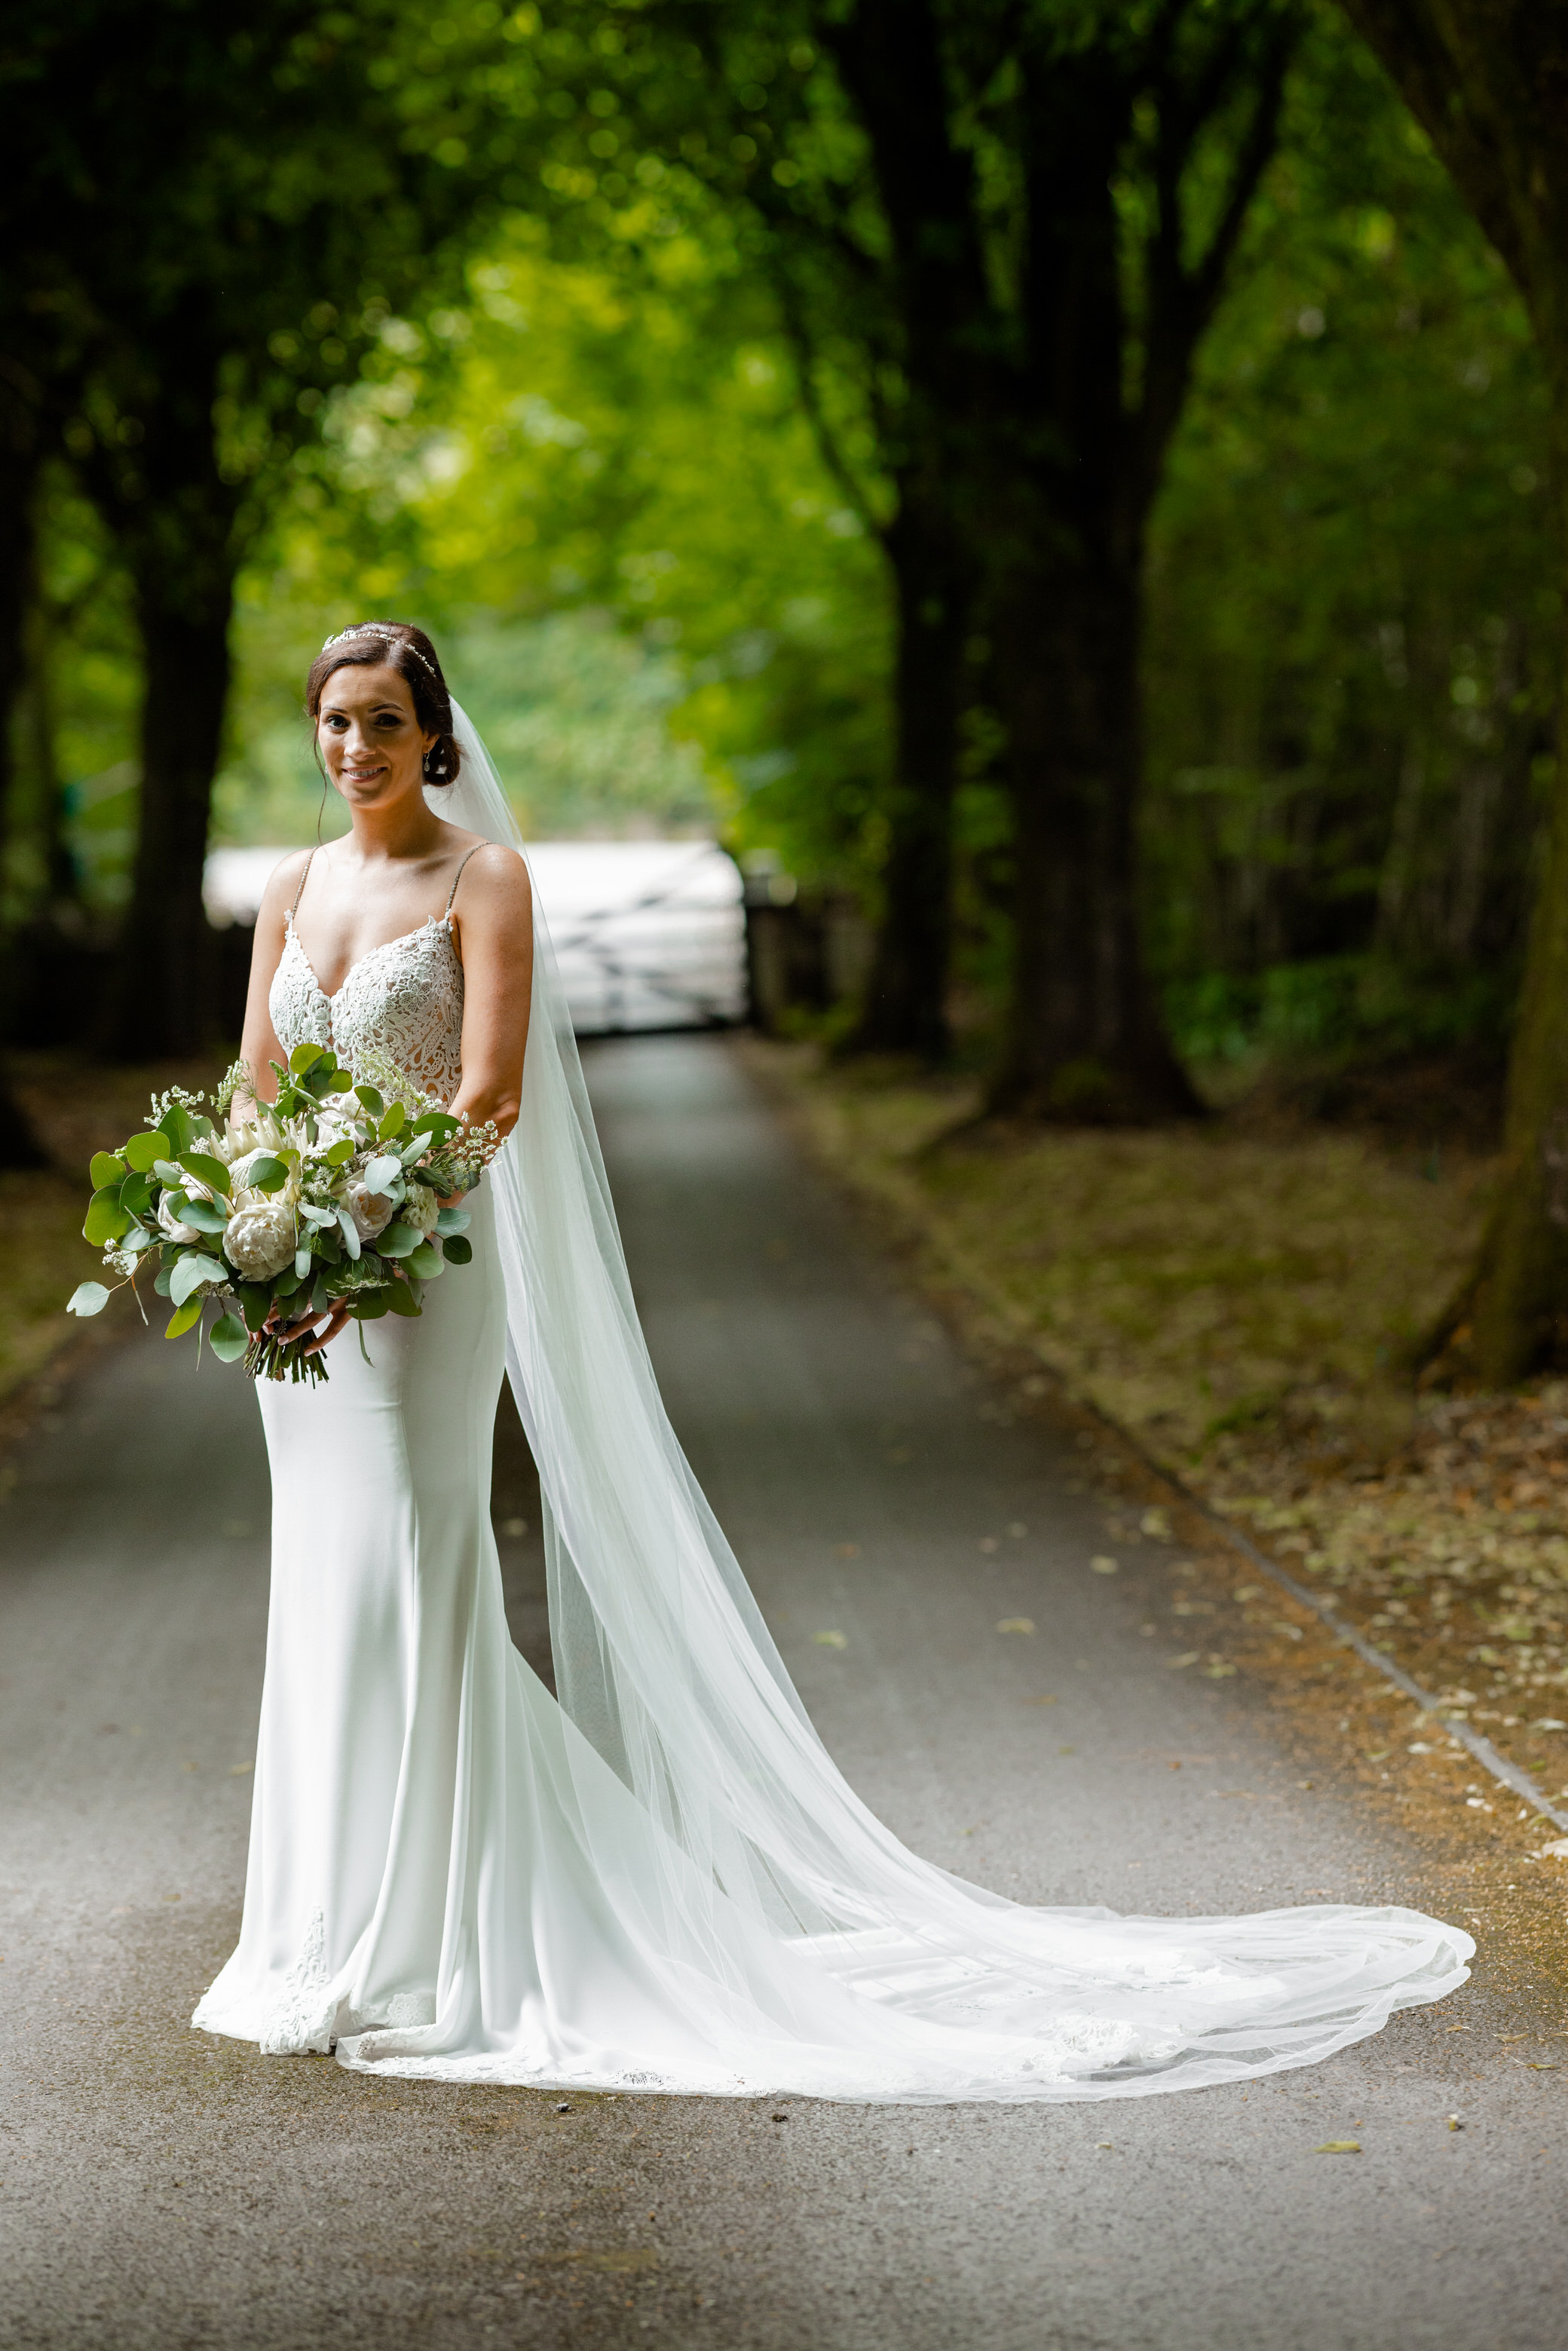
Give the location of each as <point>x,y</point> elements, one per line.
<point>660,1882</point>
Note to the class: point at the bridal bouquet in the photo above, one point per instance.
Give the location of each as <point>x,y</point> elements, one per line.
<point>334,1194</point>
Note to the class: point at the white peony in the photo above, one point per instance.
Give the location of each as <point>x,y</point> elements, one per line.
<point>371,1211</point>
<point>170,1224</point>
<point>259,1238</point>
<point>420,1209</point>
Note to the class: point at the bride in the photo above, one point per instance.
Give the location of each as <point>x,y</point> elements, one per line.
<point>660,1882</point>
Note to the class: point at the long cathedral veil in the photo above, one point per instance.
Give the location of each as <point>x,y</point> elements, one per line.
<point>664,1665</point>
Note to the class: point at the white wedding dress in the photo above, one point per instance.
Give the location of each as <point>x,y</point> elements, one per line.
<point>661,1883</point>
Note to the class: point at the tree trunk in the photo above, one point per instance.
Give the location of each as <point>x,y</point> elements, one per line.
<point>1487,79</point>
<point>164,999</point>
<point>905,1008</point>
<point>1085,1041</point>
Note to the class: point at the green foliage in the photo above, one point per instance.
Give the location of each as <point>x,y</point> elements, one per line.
<point>1354,620</point>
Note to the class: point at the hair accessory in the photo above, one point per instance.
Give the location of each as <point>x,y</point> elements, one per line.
<point>382,629</point>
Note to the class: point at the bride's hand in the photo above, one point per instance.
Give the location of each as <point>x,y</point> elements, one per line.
<point>303,1333</point>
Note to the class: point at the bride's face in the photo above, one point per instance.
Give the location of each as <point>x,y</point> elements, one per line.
<point>369,738</point>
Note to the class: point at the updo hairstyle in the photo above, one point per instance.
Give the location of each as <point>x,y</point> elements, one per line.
<point>393,644</point>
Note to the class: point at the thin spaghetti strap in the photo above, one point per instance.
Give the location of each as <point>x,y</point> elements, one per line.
<point>458,875</point>
<point>305,877</point>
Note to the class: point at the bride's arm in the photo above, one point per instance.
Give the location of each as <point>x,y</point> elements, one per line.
<point>493,920</point>
<point>258,1045</point>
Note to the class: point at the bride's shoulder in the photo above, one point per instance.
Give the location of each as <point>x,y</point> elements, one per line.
<point>494,877</point>
<point>283,887</point>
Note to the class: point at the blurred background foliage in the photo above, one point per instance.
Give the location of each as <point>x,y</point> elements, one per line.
<point>590,470</point>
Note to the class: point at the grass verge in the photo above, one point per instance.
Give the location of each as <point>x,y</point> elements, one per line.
<point>1240,1302</point>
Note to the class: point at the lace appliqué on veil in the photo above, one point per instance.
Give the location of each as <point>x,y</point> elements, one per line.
<point>404,1000</point>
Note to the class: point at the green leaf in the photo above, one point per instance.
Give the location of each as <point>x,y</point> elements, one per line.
<point>393,1124</point>
<point>452,1220</point>
<point>400,1300</point>
<point>341,1081</point>
<point>181,1321</point>
<point>370,1305</point>
<point>194,1268</point>
<point>266,1174</point>
<point>426,1261</point>
<point>459,1251</point>
<point>398,1240</point>
<point>370,1099</point>
<point>162,1279</point>
<point>204,1216</point>
<point>439,1124</point>
<point>254,1299</point>
<point>341,1151</point>
<point>177,1125</point>
<point>105,1170</point>
<point>87,1298</point>
<point>228,1339</point>
<point>106,1219</point>
<point>143,1149</point>
<point>304,1057</point>
<point>206,1169</point>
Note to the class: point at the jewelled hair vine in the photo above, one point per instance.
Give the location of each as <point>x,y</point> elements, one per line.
<point>382,629</point>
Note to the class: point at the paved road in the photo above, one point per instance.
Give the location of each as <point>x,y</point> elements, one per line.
<point>158,2188</point>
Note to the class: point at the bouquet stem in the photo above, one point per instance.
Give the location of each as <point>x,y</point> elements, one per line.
<point>267,1357</point>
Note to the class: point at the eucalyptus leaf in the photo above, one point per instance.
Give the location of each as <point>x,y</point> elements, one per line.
<point>105,1219</point>
<point>452,1220</point>
<point>204,1216</point>
<point>162,1279</point>
<point>192,1271</point>
<point>341,1151</point>
<point>304,1057</point>
<point>393,1124</point>
<point>350,1231</point>
<point>136,1194</point>
<point>142,1150</point>
<point>105,1170</point>
<point>400,1300</point>
<point>181,1321</point>
<point>253,1299</point>
<point>301,1263</point>
<point>384,1169</point>
<point>459,1251</point>
<point>228,1339</point>
<point>426,1261</point>
<point>168,1173</point>
<point>370,1305</point>
<point>266,1174</point>
<point>341,1081</point>
<point>370,1099</point>
<point>205,1169</point>
<point>87,1298</point>
<point>177,1128</point>
<point>398,1240</point>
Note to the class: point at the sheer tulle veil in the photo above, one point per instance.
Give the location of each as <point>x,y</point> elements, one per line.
<point>770,1906</point>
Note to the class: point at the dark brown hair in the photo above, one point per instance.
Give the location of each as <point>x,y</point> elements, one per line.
<point>393,644</point>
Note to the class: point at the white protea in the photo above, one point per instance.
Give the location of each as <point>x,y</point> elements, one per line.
<point>246,1139</point>
<point>371,1211</point>
<point>171,1225</point>
<point>258,1240</point>
<point>420,1209</point>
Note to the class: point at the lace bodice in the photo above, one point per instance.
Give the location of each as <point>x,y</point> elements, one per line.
<point>403,999</point>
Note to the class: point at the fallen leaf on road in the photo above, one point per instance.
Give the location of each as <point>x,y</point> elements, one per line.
<point>1190,1659</point>
<point>1339,2147</point>
<point>1245,1592</point>
<point>1105,1566</point>
<point>831,1640</point>
<point>1556,1851</point>
<point>1016,1625</point>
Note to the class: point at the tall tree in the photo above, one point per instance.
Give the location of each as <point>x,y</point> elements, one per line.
<point>225,247</point>
<point>1488,81</point>
<point>1023,217</point>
